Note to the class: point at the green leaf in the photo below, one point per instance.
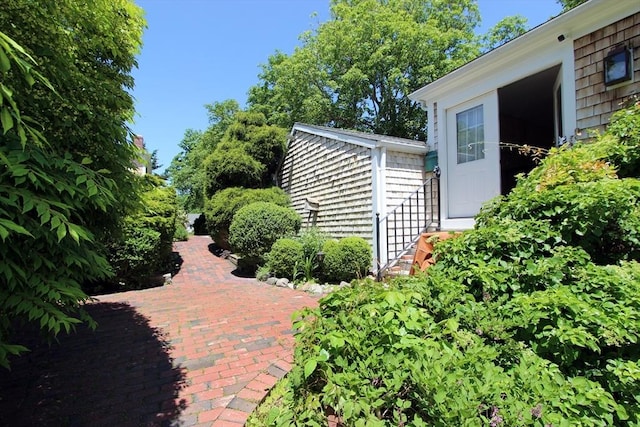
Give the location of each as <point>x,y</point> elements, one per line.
<point>5,65</point>
<point>14,227</point>
<point>310,367</point>
<point>61,232</point>
<point>6,119</point>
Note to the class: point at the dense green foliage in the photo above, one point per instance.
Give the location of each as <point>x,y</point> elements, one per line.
<point>356,70</point>
<point>220,209</point>
<point>301,265</point>
<point>285,258</point>
<point>87,52</point>
<point>524,320</point>
<point>65,154</point>
<point>257,226</point>
<point>147,237</point>
<point>186,171</point>
<point>570,4</point>
<point>505,30</point>
<point>346,259</point>
<point>247,156</point>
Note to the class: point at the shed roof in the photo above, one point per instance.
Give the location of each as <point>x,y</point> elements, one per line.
<point>369,140</point>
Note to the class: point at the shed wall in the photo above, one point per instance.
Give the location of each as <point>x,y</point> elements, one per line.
<point>336,174</point>
<point>594,102</point>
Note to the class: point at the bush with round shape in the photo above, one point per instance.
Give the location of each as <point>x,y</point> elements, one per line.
<point>257,226</point>
<point>285,258</point>
<point>220,209</point>
<point>346,259</point>
<point>312,240</point>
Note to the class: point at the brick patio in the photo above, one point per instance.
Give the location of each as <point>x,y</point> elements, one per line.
<point>202,351</point>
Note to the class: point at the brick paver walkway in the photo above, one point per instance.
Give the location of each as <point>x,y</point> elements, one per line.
<point>202,351</point>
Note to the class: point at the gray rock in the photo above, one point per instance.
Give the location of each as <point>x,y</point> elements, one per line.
<point>343,284</point>
<point>282,283</point>
<point>316,288</point>
<point>167,279</point>
<point>272,281</point>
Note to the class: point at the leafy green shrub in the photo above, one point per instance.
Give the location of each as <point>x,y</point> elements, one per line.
<point>136,257</point>
<point>181,234</point>
<point>577,184</point>
<point>312,240</point>
<point>285,257</point>
<point>220,209</point>
<point>200,226</point>
<point>136,254</point>
<point>625,127</point>
<point>346,259</point>
<point>257,226</point>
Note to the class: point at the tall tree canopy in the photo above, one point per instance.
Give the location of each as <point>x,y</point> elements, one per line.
<point>570,4</point>
<point>65,153</point>
<point>356,70</point>
<point>87,51</point>
<point>186,171</point>
<point>504,31</point>
<point>247,156</point>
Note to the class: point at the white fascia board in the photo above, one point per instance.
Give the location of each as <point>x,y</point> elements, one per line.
<point>375,141</point>
<point>402,148</point>
<point>582,20</point>
<point>352,139</point>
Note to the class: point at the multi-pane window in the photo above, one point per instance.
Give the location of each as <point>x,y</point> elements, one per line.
<point>470,130</point>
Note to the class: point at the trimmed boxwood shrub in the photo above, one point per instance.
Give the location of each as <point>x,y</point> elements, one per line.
<point>220,209</point>
<point>285,258</point>
<point>346,259</point>
<point>257,226</point>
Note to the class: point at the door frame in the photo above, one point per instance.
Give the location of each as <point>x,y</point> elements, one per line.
<point>536,61</point>
<point>489,101</point>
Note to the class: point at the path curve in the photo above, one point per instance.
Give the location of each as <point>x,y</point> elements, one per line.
<point>202,351</point>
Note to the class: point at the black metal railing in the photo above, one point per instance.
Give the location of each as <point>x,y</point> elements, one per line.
<point>398,230</point>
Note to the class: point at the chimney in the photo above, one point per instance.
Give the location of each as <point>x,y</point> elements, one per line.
<point>138,140</point>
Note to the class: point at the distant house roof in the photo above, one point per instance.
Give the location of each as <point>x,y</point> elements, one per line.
<point>369,140</point>
<point>191,218</point>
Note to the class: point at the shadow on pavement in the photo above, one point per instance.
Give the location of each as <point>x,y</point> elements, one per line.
<point>245,272</point>
<point>121,374</point>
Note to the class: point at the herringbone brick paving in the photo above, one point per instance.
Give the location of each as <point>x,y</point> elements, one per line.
<point>202,351</point>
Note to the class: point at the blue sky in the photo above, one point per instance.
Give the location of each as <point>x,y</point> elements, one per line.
<point>198,52</point>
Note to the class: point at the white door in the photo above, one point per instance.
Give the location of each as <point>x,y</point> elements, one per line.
<point>473,155</point>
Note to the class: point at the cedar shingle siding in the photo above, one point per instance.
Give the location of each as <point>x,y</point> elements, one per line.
<point>336,174</point>
<point>594,102</point>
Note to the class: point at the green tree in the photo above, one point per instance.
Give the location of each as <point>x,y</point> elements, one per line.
<point>356,70</point>
<point>186,171</point>
<point>247,156</point>
<point>570,4</point>
<point>504,31</point>
<point>87,51</point>
<point>65,155</point>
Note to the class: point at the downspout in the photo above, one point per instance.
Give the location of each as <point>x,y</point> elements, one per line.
<point>378,206</point>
